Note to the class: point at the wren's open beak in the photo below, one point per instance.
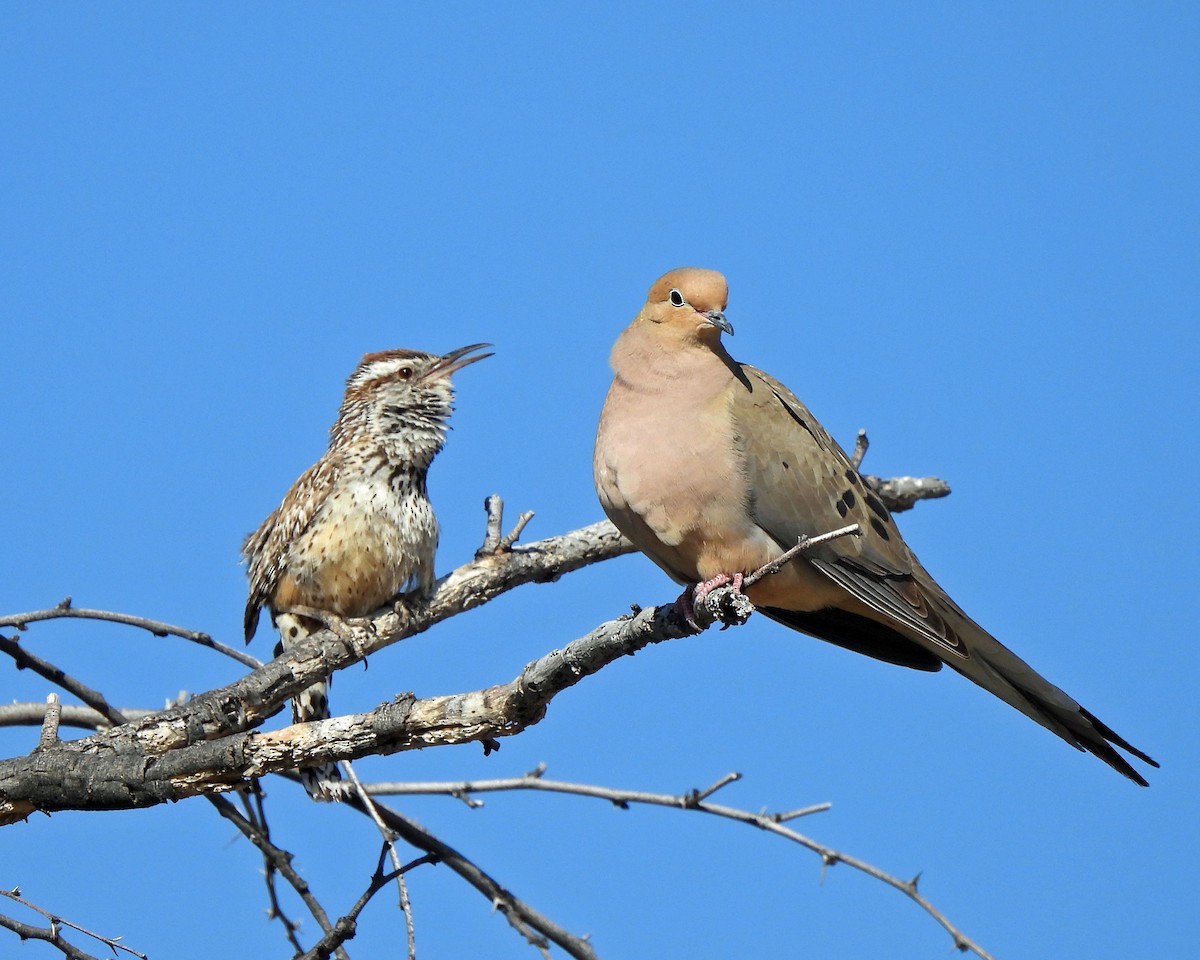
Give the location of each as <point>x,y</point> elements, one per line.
<point>717,319</point>
<point>455,360</point>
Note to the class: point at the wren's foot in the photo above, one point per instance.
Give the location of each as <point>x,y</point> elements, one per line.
<point>340,627</point>
<point>693,595</point>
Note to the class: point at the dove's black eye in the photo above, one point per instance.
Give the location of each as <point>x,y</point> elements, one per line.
<point>677,299</point>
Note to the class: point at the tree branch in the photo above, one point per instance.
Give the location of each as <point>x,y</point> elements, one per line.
<point>692,800</point>
<point>203,746</point>
<point>77,775</point>
<point>64,610</point>
<point>71,715</point>
<point>538,929</point>
<point>902,493</point>
<point>52,935</point>
<point>253,826</point>
<point>208,744</point>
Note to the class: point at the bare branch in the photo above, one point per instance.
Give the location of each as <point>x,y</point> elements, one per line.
<point>50,722</point>
<point>347,925</point>
<point>121,778</point>
<point>93,698</point>
<point>207,744</point>
<point>55,938</point>
<point>247,702</point>
<point>803,544</point>
<point>493,543</point>
<point>71,715</point>
<point>900,493</point>
<point>692,800</point>
<point>897,493</point>
<point>64,610</point>
<point>697,795</point>
<point>513,535</point>
<point>495,518</point>
<point>51,935</point>
<point>253,827</point>
<point>532,925</point>
<point>389,848</point>
<point>535,927</point>
<point>860,449</point>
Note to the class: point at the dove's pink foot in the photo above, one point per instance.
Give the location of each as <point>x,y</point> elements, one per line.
<point>693,595</point>
<point>720,580</point>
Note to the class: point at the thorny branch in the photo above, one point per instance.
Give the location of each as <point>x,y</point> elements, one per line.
<point>693,800</point>
<point>253,826</point>
<point>121,778</point>
<point>50,747</point>
<point>389,849</point>
<point>537,929</point>
<point>53,934</point>
<point>347,925</point>
<point>65,611</point>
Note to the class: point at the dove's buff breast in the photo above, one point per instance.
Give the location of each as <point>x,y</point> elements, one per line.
<point>694,523</point>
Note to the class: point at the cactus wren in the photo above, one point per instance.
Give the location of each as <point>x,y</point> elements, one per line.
<point>357,527</point>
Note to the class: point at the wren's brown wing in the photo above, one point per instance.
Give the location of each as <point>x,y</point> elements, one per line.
<point>803,483</point>
<point>265,550</point>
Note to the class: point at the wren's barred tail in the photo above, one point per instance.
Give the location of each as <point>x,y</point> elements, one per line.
<point>357,528</point>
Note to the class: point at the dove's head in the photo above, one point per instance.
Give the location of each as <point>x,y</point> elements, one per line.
<point>689,303</point>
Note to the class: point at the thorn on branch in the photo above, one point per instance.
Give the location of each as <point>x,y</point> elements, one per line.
<point>901,493</point>
<point>64,604</point>
<point>801,812</point>
<point>50,721</point>
<point>53,934</point>
<point>383,856</point>
<point>506,543</point>
<point>493,543</point>
<point>860,449</point>
<point>495,518</point>
<point>696,796</point>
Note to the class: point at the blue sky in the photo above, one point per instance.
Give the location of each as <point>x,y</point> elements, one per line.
<point>972,230</point>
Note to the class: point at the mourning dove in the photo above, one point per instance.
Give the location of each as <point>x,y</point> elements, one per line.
<point>713,468</point>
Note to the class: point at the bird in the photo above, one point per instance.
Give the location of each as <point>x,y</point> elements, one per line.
<point>713,468</point>
<point>357,528</point>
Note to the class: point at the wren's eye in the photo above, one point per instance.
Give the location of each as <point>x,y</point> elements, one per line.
<point>677,299</point>
<point>405,373</point>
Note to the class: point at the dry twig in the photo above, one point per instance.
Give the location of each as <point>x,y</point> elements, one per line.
<point>692,800</point>
<point>65,611</point>
<point>53,934</point>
